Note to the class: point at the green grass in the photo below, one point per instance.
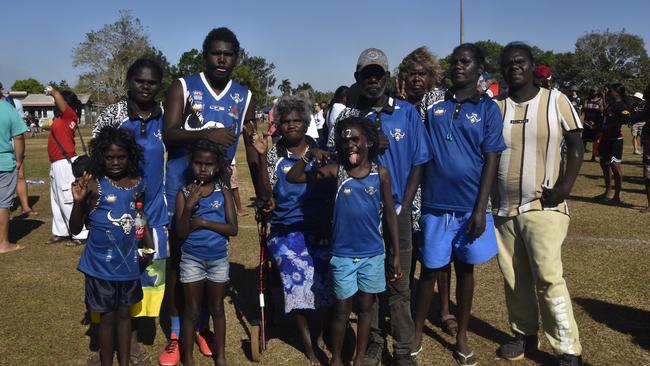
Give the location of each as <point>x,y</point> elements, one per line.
<point>605,264</point>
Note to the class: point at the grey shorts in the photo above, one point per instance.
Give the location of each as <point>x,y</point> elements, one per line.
<point>7,188</point>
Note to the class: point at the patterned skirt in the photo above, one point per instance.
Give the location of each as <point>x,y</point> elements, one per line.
<point>304,270</point>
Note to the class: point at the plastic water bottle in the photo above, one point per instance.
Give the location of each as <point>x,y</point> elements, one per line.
<point>140,221</point>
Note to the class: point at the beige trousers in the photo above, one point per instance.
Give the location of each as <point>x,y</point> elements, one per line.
<point>530,249</point>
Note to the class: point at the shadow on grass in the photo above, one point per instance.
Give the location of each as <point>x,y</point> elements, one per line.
<point>244,296</point>
<point>600,202</point>
<point>621,318</point>
<point>20,227</point>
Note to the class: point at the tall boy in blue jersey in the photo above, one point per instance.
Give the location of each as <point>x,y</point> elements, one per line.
<point>403,147</point>
<point>465,130</point>
<point>210,106</point>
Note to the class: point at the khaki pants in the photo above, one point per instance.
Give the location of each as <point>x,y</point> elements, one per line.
<point>530,248</point>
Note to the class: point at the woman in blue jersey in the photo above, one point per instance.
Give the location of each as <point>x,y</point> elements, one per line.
<point>363,194</point>
<point>465,129</point>
<point>205,218</point>
<point>299,240</point>
<point>141,114</point>
<point>104,200</point>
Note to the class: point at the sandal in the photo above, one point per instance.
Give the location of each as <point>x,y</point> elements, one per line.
<point>56,239</point>
<point>449,324</point>
<point>465,360</point>
<point>139,359</point>
<point>75,243</point>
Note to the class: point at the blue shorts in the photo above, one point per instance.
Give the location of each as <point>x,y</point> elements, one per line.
<point>444,233</point>
<point>358,274</point>
<point>105,296</point>
<point>194,269</point>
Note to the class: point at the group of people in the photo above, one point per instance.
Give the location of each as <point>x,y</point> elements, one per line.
<point>356,196</point>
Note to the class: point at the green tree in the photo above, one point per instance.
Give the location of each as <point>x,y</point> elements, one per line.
<point>262,70</point>
<point>604,57</point>
<point>31,86</point>
<point>303,86</point>
<point>107,53</point>
<point>285,87</point>
<point>245,76</point>
<point>61,85</point>
<point>191,62</point>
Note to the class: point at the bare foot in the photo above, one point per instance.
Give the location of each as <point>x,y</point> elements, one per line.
<point>645,210</point>
<point>220,360</point>
<point>243,212</point>
<point>313,360</point>
<point>9,247</point>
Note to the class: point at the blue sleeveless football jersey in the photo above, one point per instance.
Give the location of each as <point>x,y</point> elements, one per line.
<point>204,109</point>
<point>111,249</point>
<point>203,243</point>
<point>152,166</point>
<point>357,216</point>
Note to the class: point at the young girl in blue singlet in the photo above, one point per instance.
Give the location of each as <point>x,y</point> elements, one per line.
<point>363,194</point>
<point>104,199</point>
<point>205,218</point>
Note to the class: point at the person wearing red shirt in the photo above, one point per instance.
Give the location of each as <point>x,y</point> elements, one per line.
<point>61,151</point>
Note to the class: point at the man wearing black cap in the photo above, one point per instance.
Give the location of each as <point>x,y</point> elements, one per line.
<point>404,149</point>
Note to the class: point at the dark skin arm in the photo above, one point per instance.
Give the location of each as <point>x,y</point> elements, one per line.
<point>414,179</point>
<point>552,197</point>
<point>259,146</point>
<point>19,150</point>
<point>186,223</point>
<point>297,173</point>
<point>253,157</point>
<point>390,218</point>
<point>173,133</point>
<point>59,102</point>
<point>84,195</point>
<point>476,223</point>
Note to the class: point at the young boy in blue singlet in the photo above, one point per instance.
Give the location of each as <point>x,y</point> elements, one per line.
<point>104,199</point>
<point>363,194</point>
<point>205,218</point>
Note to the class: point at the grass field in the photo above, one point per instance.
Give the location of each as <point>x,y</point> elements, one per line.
<point>606,265</point>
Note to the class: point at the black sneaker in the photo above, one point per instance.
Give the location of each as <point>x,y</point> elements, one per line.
<point>517,347</point>
<point>376,354</point>
<point>570,360</point>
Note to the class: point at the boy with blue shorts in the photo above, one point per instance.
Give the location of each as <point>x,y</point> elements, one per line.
<point>466,134</point>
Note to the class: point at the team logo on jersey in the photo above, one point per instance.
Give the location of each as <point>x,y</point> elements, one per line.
<point>438,112</point>
<point>371,190</point>
<point>125,221</point>
<point>197,107</point>
<point>397,134</point>
<point>236,98</point>
<point>518,121</point>
<point>216,204</point>
<point>197,94</point>
<point>158,135</point>
<point>111,198</point>
<point>217,108</point>
<point>286,168</point>
<point>347,191</point>
<point>473,118</point>
<point>233,111</point>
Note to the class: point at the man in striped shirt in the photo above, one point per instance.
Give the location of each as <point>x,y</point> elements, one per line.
<point>532,216</point>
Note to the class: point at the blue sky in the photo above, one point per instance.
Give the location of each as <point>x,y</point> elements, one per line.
<point>309,41</point>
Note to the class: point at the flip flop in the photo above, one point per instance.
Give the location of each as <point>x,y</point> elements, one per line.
<point>465,360</point>
<point>56,239</point>
<point>449,324</point>
<point>16,248</point>
<point>415,353</point>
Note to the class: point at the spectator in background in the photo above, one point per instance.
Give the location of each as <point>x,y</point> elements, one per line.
<point>21,184</point>
<point>575,100</point>
<point>336,106</point>
<point>592,118</point>
<point>319,121</point>
<point>61,151</point>
<point>12,150</point>
<point>637,127</point>
<point>644,115</point>
<point>543,76</point>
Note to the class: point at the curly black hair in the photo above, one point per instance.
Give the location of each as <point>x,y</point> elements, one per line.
<point>223,175</point>
<point>114,136</point>
<point>221,34</point>
<point>144,63</point>
<point>368,128</point>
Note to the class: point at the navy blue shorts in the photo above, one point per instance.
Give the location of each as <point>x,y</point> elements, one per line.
<point>103,296</point>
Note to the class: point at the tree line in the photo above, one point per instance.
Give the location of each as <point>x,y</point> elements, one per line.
<point>105,54</point>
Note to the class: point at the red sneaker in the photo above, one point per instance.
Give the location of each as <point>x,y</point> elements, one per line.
<point>205,340</point>
<point>171,355</point>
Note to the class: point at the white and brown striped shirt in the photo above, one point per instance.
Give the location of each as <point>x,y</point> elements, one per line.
<point>533,132</point>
